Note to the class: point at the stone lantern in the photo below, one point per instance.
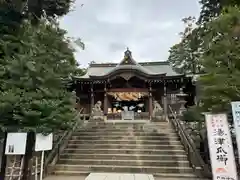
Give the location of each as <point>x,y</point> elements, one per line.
<point>181,96</point>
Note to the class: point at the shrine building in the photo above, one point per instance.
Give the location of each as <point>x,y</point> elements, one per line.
<point>137,87</point>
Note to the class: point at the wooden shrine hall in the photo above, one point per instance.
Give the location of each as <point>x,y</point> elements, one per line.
<point>140,88</point>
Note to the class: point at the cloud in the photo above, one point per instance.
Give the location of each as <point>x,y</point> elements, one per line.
<point>115,12</point>
<point>116,46</point>
<point>166,25</point>
<point>107,27</point>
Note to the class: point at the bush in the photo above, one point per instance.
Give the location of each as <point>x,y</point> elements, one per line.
<point>193,114</point>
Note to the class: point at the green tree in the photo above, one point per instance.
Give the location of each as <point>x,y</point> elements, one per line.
<point>36,59</point>
<point>211,9</point>
<point>184,56</point>
<point>79,71</point>
<point>33,96</point>
<point>34,9</point>
<point>221,84</point>
<point>13,12</point>
<point>178,57</point>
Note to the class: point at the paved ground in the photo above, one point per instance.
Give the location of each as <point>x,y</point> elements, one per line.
<point>83,178</point>
<point>65,178</point>
<point>122,176</point>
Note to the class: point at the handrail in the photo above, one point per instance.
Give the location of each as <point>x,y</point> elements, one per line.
<point>60,145</point>
<point>195,159</point>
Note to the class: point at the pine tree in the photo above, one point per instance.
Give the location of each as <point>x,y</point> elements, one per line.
<point>210,9</point>
<point>221,84</point>
<point>32,96</point>
<point>184,56</point>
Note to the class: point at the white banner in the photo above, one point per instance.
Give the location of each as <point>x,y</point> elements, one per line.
<point>220,147</point>
<point>236,120</point>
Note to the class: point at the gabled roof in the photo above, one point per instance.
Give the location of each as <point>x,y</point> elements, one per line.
<point>150,67</point>
<point>128,63</point>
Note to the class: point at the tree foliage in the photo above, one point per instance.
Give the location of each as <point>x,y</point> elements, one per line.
<point>211,9</point>
<point>184,56</point>
<point>79,71</point>
<point>221,84</point>
<point>179,59</point>
<point>213,45</point>
<point>35,9</point>
<point>34,62</point>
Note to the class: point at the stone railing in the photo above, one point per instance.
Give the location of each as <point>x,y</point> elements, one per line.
<point>59,145</point>
<point>199,166</point>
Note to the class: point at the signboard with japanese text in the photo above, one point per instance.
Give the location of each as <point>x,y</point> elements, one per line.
<point>220,147</point>
<point>16,144</point>
<point>236,120</point>
<point>43,143</point>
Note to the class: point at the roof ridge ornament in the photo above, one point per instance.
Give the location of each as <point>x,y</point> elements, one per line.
<point>127,54</point>
<point>128,60</point>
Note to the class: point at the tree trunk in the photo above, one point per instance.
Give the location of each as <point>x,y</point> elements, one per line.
<point>27,167</point>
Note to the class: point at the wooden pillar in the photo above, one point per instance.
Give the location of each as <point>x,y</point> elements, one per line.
<point>78,105</point>
<point>105,103</point>
<point>150,102</point>
<point>165,104</point>
<point>92,99</point>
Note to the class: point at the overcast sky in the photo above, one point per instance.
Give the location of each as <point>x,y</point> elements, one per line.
<point>107,27</point>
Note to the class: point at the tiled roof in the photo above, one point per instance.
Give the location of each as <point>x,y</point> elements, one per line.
<point>151,68</point>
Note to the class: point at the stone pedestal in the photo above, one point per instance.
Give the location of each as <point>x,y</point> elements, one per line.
<point>157,111</point>
<point>97,113</point>
<point>98,117</point>
<point>150,108</point>
<point>127,115</point>
<point>165,102</point>
<point>181,96</point>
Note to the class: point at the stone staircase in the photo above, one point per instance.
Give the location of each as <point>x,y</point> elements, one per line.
<point>125,147</point>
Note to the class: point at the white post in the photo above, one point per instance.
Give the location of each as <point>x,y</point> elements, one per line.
<point>36,168</point>
<point>42,162</point>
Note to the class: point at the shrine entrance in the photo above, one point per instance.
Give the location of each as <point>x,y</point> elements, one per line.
<point>128,89</point>
<point>128,104</point>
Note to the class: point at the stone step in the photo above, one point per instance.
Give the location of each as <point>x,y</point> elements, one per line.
<point>131,135</point>
<point>118,162</point>
<point>147,129</point>
<point>127,124</point>
<point>125,151</point>
<point>126,146</point>
<point>159,138</point>
<point>158,176</point>
<point>153,148</point>
<point>163,142</point>
<point>138,133</point>
<point>179,157</point>
<point>119,127</point>
<point>124,169</point>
